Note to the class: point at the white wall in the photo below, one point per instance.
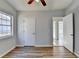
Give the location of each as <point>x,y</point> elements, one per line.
<point>43,25</point>
<point>74,8</point>
<point>7,43</point>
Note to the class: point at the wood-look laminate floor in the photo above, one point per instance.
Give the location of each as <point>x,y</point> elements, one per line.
<point>33,52</point>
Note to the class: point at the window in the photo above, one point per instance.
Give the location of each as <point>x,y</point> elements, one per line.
<point>5,25</point>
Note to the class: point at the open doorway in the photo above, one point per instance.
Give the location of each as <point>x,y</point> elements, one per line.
<point>57,31</point>
<point>63,32</point>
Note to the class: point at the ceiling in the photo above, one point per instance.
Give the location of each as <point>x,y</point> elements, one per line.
<point>21,5</point>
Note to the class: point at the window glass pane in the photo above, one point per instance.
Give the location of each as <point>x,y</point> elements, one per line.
<point>0,15</point>
<point>8,23</point>
<point>8,18</point>
<point>0,29</point>
<point>9,28</point>
<point>0,21</point>
<point>4,29</point>
<point>4,22</point>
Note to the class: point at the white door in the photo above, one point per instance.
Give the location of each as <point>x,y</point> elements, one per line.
<point>27,31</point>
<point>68,31</point>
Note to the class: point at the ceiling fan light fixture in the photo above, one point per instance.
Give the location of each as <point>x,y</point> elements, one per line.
<point>42,1</point>
<point>37,0</point>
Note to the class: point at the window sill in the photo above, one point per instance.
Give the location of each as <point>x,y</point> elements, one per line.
<point>6,37</point>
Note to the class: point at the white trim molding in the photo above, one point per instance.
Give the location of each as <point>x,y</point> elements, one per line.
<point>43,45</point>
<point>7,52</point>
<point>19,45</point>
<point>76,54</point>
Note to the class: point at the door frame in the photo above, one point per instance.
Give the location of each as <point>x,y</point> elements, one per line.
<point>58,19</point>
<point>73,32</point>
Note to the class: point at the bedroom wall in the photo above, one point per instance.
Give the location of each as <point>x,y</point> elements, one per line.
<point>8,43</point>
<point>43,26</point>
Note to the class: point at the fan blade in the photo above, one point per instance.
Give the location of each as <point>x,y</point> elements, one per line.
<point>30,1</point>
<point>43,2</point>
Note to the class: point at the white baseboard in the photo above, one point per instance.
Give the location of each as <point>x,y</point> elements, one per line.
<point>19,45</point>
<point>76,54</point>
<point>43,45</point>
<point>7,52</point>
<point>36,45</point>
<point>23,45</point>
